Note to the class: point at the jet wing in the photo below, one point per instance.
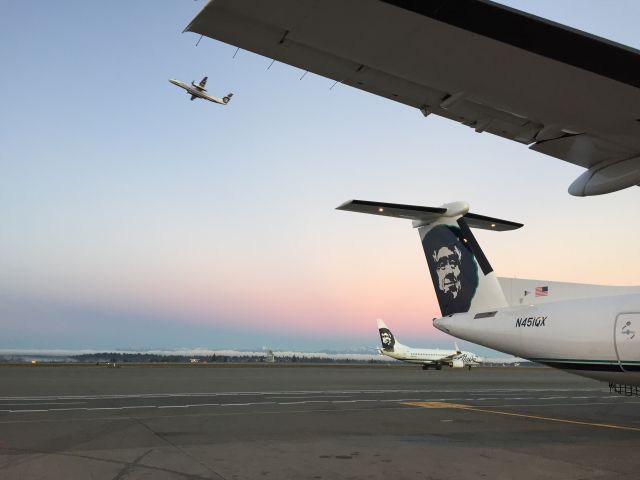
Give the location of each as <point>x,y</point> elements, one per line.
<point>560,91</point>
<point>450,358</point>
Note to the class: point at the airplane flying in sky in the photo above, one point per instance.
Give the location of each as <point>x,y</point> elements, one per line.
<point>435,358</point>
<point>197,90</point>
<point>589,330</point>
<point>560,91</point>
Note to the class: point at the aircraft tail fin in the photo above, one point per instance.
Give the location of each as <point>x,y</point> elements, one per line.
<point>227,98</point>
<point>461,274</point>
<point>388,340</point>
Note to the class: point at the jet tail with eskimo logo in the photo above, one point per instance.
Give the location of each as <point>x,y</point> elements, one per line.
<point>462,276</point>
<point>388,339</point>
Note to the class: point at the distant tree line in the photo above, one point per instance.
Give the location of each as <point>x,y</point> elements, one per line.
<point>156,358</point>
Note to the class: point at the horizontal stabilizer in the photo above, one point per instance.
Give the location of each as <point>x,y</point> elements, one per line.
<point>425,215</point>
<point>461,273</point>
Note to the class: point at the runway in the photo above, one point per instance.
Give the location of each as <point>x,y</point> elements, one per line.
<point>316,423</point>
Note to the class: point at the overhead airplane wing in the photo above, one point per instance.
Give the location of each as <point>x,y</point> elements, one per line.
<point>565,93</point>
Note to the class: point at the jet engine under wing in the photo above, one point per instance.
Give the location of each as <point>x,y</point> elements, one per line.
<point>565,93</point>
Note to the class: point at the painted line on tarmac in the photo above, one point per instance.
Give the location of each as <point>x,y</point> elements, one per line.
<point>232,412</point>
<point>565,404</point>
<point>471,408</point>
<point>407,401</point>
<point>436,405</point>
<point>309,397</point>
<point>499,391</point>
<point>554,419</point>
<point>39,403</point>
<point>227,413</point>
<point>138,406</point>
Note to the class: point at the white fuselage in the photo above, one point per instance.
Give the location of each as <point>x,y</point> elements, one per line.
<point>594,337</point>
<point>425,356</point>
<point>197,92</point>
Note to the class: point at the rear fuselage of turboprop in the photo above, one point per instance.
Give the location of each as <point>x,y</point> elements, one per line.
<point>595,337</point>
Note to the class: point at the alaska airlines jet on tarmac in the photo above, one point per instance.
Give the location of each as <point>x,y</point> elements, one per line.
<point>589,330</point>
<point>391,347</point>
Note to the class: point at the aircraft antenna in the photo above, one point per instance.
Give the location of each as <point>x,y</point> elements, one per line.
<point>198,42</point>
<point>337,82</point>
<point>305,72</point>
<point>272,62</point>
<point>237,50</point>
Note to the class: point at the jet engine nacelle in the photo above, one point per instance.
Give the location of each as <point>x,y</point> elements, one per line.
<point>457,363</point>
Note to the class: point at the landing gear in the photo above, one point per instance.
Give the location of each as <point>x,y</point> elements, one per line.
<point>425,367</point>
<point>438,366</point>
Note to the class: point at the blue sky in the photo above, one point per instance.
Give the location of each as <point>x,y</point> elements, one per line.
<point>134,218</point>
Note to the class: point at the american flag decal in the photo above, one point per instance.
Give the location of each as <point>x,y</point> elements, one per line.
<point>542,291</point>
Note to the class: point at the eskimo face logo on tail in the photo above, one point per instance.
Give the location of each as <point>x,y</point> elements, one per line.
<point>447,259</point>
<point>386,337</point>
<point>453,269</point>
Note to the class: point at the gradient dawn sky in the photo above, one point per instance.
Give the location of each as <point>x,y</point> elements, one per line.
<point>133,218</point>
